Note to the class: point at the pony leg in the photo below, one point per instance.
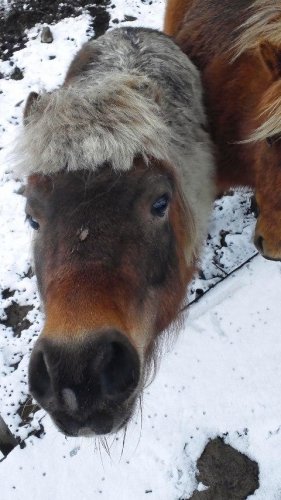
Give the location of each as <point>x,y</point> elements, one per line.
<point>175,14</point>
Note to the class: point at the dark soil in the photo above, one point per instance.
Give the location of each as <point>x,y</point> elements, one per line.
<point>7,293</point>
<point>16,318</point>
<point>24,14</point>
<point>26,410</point>
<point>229,474</point>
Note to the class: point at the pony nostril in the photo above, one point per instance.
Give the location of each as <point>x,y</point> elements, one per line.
<point>39,378</point>
<point>119,373</point>
<point>259,243</point>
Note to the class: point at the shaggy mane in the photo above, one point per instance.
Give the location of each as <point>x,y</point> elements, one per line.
<point>263,25</point>
<point>271,109</point>
<point>86,125</point>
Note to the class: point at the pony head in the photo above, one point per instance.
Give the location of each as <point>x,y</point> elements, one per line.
<point>261,36</point>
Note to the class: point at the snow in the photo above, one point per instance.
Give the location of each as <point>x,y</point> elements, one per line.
<point>222,377</point>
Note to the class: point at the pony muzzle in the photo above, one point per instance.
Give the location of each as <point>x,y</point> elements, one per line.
<point>268,249</point>
<point>87,387</point>
<point>267,238</point>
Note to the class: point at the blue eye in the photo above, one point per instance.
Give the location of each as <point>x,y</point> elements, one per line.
<point>160,206</point>
<point>33,223</point>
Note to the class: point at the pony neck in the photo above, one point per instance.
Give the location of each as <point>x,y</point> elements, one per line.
<point>233,93</point>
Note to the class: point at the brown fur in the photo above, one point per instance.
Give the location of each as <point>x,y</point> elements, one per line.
<point>103,301</point>
<point>171,301</point>
<point>174,15</point>
<point>237,46</point>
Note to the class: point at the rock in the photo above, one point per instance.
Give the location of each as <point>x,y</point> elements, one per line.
<point>129,18</point>
<point>21,190</point>
<point>46,35</point>
<point>17,74</point>
<point>228,474</point>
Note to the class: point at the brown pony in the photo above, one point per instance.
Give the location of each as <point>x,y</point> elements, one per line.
<point>237,46</point>
<point>120,187</point>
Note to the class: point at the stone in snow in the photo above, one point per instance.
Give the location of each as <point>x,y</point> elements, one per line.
<point>46,35</point>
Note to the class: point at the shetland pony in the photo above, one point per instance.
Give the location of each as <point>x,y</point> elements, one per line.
<point>237,46</point>
<point>120,185</point>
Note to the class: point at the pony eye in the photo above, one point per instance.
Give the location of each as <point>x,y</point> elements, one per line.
<point>160,206</point>
<point>273,139</point>
<point>33,223</point>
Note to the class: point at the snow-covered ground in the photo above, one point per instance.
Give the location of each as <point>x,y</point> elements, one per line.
<point>222,377</point>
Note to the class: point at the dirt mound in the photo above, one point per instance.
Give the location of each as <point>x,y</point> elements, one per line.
<point>228,474</point>
<point>16,318</point>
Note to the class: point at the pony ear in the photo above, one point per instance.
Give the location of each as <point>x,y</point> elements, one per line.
<point>33,96</point>
<point>271,57</point>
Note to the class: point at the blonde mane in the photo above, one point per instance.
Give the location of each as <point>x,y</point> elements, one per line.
<point>263,26</point>
<point>271,109</point>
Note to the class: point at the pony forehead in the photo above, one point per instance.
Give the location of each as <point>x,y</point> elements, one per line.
<point>87,125</point>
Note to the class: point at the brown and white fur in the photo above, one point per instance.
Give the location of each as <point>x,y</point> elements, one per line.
<point>120,186</point>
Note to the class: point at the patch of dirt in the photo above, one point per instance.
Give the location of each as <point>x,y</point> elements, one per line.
<point>27,410</point>
<point>24,14</point>
<point>7,293</point>
<point>29,273</point>
<point>16,318</point>
<point>228,474</point>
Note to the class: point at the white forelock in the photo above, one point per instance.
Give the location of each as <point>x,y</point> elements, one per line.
<point>87,125</point>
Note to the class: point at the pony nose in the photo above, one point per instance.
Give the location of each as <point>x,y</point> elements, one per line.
<point>259,243</point>
<point>83,378</point>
